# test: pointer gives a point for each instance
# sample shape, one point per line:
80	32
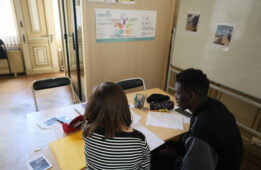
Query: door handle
24	40
48	36
21	24
51	35
45	36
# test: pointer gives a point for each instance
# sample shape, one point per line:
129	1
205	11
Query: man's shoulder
216	120
215	110
216	104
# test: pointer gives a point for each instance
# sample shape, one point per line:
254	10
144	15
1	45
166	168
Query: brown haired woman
110	143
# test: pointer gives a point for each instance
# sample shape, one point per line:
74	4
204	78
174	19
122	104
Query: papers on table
166	120
131	106
80	109
39	162
47	123
185	119
135	117
153	140
42	138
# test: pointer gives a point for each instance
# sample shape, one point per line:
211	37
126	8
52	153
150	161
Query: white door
38	36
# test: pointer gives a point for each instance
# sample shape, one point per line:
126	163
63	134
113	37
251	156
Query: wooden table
163	133
34	118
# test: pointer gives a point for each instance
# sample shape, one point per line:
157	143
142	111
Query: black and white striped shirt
127	150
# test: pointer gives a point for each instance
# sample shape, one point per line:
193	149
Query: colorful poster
111	1
125	25
223	36
115	1
127	1
96	0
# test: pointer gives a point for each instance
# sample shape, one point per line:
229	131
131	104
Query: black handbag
3	53
157	98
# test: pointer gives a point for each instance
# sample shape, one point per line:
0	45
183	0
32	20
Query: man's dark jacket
214	140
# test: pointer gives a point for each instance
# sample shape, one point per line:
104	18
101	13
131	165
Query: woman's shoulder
134	134
138	134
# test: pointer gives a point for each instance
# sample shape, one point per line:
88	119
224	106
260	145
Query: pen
160	110
59	121
77	124
77	111
163	110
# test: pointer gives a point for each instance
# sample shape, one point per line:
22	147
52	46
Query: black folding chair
131	83
3	54
50	83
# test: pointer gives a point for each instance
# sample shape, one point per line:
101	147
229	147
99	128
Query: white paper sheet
166	120
184	118
42	138
131	106
153	140
135	117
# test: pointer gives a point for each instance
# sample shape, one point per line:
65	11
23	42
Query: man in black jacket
213	141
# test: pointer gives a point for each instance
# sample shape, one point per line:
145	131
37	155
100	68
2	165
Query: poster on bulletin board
115	1
114	25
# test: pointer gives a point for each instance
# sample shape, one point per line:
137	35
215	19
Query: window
8	32
57	20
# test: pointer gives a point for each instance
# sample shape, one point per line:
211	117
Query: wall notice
115	1
192	21
223	36
127	1
125	25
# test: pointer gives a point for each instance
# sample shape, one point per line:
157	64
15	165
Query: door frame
75	43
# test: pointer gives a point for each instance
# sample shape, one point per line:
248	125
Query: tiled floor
15	102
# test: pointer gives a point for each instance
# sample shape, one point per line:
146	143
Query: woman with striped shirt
110	143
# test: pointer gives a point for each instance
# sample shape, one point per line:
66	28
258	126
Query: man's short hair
193	80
